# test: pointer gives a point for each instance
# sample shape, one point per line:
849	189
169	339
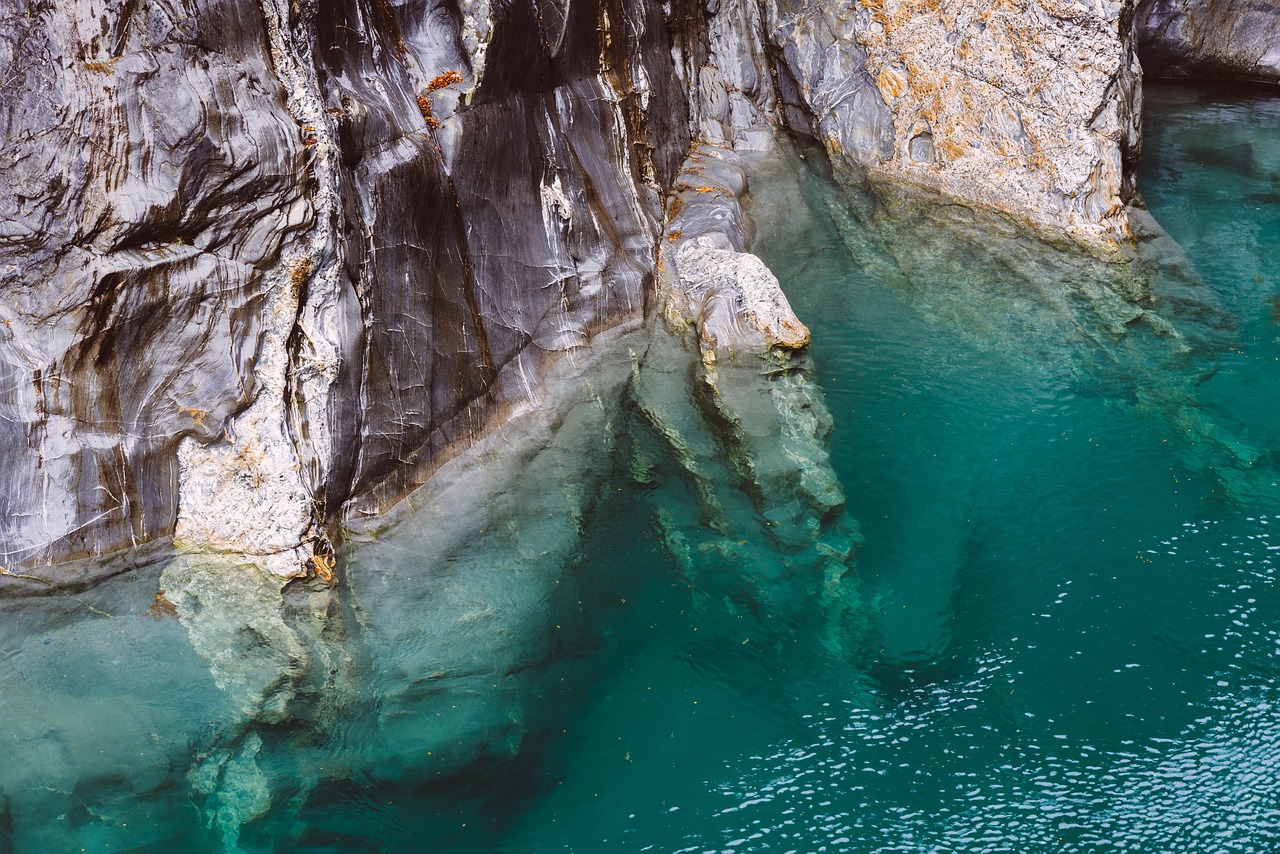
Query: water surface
1076	618
1061	630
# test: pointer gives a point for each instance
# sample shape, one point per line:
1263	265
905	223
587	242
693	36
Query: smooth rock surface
151	178
706	278
1210	39
269	265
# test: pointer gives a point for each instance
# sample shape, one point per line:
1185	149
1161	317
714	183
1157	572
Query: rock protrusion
1031	108
706	278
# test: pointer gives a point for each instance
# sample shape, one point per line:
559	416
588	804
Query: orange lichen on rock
197	416
424	106
161	607
102	66
321	564
442	80
298	275
892	82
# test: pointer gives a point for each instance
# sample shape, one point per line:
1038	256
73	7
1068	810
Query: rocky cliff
1032	108
1210	39
267	265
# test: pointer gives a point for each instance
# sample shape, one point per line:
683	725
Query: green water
1067	617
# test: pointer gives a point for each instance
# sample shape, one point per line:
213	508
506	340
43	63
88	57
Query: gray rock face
269	265
133	274
1216	39
265	265
477	249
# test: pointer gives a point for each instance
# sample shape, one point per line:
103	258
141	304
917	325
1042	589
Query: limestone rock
747	424
267	265
151	178
1031	107
706	278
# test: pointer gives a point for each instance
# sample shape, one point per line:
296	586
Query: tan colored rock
1029	107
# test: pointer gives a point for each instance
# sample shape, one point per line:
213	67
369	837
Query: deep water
1060	630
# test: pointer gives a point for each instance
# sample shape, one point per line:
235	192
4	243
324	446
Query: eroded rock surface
1031	107
706	277
745	425
152	176
268	265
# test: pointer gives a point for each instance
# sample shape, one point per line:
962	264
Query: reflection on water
993	568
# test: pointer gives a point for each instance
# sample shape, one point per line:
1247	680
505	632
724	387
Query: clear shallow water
1076	624
1069	619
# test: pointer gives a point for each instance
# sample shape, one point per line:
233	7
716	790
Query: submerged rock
745	424
766	535
1139	321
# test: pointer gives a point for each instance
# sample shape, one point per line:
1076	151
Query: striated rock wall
1214	39
266	265
152	176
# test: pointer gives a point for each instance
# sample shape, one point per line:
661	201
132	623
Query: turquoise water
1060	630
1076	624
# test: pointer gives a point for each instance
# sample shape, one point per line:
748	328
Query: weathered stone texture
151	175
267	264
488	231
1031	107
707	280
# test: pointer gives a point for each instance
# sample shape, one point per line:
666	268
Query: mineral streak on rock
249	288
1214	39
151	176
267	265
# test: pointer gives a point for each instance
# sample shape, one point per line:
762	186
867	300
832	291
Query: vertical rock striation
152	176
267	265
